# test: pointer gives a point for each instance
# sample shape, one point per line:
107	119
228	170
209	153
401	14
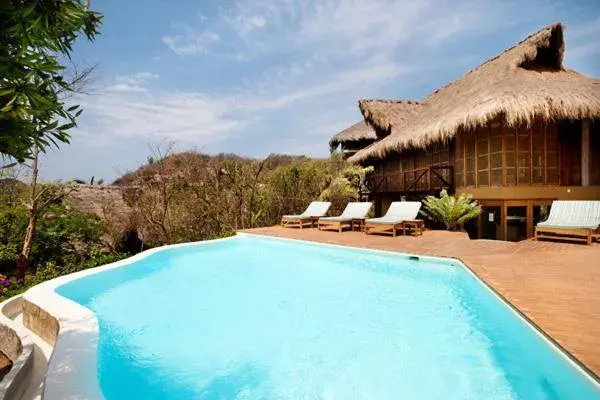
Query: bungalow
352	139
517	132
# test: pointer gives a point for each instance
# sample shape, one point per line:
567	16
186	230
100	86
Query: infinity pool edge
72	369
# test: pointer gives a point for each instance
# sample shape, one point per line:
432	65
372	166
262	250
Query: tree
40	197
346	185
36	37
449	210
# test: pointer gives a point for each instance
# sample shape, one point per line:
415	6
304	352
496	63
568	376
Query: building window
509	140
538	163
496	163
459	164
523	159
469	151
498	155
551	144
483	153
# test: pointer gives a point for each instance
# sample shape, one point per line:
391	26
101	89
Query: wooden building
517	132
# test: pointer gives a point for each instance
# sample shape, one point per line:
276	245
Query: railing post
429	178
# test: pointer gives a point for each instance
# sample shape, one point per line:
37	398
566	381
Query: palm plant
449	210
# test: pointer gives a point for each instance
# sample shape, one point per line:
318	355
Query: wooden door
570	153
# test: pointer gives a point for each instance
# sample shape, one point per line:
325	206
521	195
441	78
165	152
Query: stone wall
40	322
98	199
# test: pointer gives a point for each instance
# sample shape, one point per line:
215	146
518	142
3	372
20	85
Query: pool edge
77	335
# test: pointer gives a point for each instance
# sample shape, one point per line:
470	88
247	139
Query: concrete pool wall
18	346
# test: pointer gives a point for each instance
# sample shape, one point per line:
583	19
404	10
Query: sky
255	77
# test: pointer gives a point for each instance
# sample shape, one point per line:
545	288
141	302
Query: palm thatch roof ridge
359	131
382	114
526	82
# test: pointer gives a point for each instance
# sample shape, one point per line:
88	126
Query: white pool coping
72	369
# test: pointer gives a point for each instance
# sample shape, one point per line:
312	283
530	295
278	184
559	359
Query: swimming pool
262	318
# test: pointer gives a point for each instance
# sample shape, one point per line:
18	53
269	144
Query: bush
449	210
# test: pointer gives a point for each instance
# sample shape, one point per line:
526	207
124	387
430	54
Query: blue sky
255	77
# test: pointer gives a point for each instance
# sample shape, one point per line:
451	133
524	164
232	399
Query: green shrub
449	210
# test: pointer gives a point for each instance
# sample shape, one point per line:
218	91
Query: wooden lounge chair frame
353	211
386	229
416	225
337	225
298	222
309	216
568	234
397	214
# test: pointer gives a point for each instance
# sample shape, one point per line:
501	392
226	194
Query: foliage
449	210
190	196
10	286
63	236
345	187
289	188
66	241
339	192
36	37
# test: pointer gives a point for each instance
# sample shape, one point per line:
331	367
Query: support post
585	152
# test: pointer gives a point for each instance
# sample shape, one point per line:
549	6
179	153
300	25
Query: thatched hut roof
382	114
526	82
357	132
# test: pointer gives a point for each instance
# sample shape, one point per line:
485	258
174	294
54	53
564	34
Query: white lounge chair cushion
314	209
573	214
352	210
398	212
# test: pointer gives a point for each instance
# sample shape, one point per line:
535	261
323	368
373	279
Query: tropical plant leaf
449	210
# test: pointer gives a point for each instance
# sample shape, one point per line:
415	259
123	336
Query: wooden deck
556	285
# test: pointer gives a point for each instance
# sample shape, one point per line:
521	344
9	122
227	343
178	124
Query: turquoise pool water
259	318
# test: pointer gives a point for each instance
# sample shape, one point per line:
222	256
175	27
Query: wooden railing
422	180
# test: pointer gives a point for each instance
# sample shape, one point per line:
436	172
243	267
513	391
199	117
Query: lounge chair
575	220
312	213
394	218
353	211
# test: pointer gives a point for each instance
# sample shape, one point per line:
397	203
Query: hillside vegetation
190	196
174	198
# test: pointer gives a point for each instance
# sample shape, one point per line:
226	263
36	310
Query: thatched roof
359	131
382	114
526	82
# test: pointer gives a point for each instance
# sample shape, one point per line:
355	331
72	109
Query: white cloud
131	83
188	117
190	41
246	24
353	27
350	79
584	40
584	50
316	58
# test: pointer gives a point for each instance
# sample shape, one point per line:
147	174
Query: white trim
78	336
